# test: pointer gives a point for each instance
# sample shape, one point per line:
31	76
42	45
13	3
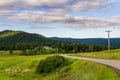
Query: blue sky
62	18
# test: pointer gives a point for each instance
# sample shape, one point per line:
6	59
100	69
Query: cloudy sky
62	18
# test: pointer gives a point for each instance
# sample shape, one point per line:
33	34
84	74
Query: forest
29	43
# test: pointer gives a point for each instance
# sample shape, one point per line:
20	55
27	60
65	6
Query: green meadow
17	67
114	54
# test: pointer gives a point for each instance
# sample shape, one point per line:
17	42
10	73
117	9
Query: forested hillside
12	38
19	40
115	42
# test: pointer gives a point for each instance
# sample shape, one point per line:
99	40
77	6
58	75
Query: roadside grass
23	68
114	54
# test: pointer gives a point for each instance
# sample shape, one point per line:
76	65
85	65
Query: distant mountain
9	37
19	40
93	41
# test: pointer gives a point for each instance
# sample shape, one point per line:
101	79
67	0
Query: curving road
115	64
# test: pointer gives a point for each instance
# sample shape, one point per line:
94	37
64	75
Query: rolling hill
17	40
13	37
9	38
94	41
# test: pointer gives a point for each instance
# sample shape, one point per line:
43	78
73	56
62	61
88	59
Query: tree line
34	43
57	47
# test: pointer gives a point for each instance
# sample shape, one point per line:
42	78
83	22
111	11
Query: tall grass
114	54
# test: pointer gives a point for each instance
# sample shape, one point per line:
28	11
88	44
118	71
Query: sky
62	18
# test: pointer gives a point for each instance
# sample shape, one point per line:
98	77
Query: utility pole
108	31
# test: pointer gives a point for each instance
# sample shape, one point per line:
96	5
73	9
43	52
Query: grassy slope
23	68
115	54
8	33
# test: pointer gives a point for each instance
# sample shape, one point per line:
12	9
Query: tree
22	47
11	48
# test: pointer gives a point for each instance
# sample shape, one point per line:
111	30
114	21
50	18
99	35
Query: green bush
51	64
31	52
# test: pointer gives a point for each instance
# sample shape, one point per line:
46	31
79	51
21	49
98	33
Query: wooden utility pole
108	31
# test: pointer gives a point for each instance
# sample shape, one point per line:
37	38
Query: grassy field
15	67
115	54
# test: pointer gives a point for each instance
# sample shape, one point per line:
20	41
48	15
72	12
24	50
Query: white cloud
40	17
4	12
79	22
117	18
57	12
88	5
57	5
6	3
45	2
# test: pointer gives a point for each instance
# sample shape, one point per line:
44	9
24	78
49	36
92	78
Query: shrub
51	64
31	52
